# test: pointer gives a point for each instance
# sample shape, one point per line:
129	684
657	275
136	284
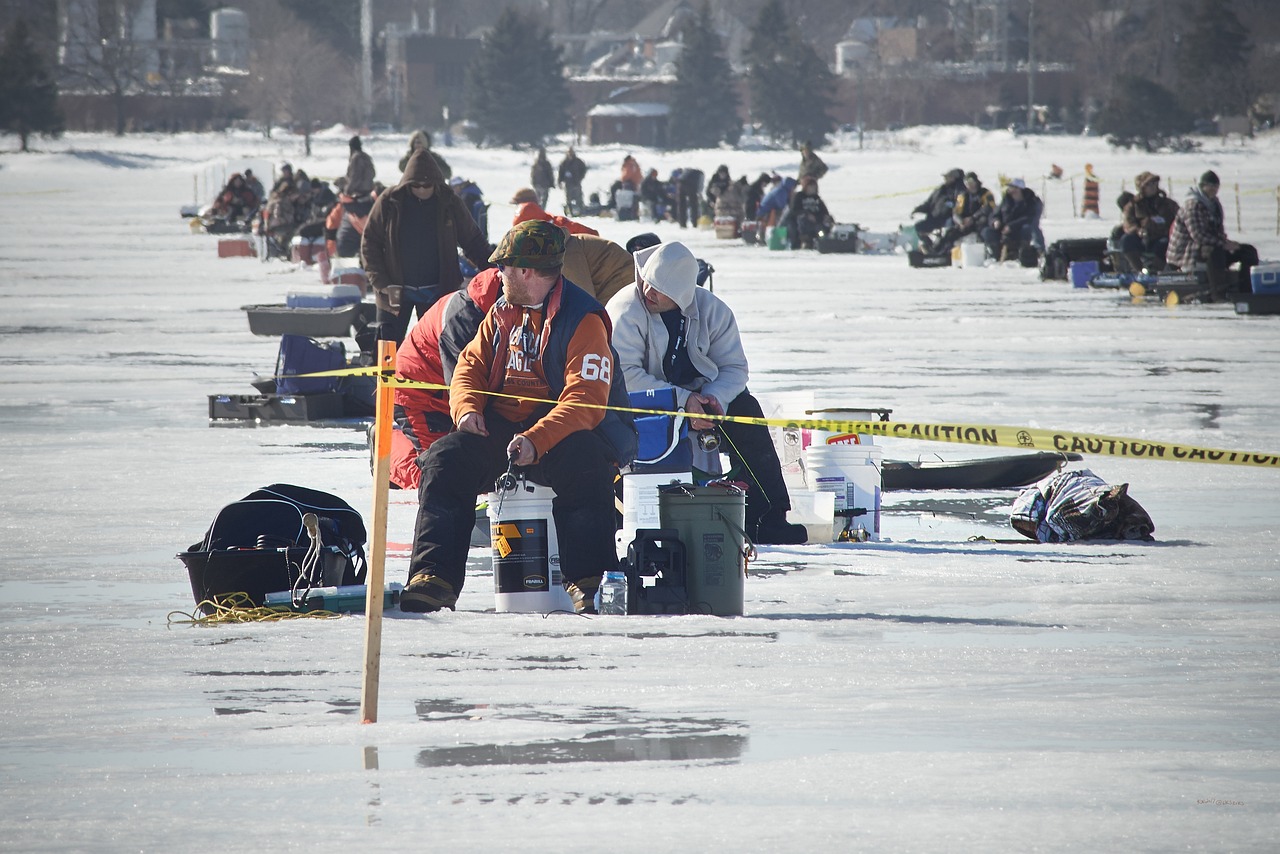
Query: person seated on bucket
545	346
1198	234
1148	217
669	333
1016	223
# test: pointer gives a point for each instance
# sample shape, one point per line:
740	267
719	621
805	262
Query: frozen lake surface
924	692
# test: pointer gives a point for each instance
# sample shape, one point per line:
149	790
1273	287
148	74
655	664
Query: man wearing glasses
410	245
544	346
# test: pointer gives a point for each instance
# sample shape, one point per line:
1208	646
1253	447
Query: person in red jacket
429	354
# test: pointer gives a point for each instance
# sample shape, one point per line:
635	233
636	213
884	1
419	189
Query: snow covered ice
924	692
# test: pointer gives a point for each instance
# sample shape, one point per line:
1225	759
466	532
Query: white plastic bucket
972	254
830	437
852	472
817	512
526	552
640	503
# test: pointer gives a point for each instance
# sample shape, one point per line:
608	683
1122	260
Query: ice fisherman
545	345
671	334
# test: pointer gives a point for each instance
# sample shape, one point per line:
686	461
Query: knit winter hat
524	194
535	244
1210	177
1143	179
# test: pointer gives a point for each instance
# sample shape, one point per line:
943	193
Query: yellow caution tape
987	435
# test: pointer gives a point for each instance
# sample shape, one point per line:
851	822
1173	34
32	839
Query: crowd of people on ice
1155	232
555	316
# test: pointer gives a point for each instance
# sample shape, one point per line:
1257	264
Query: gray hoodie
715	347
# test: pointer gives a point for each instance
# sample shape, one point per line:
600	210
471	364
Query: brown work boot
427	593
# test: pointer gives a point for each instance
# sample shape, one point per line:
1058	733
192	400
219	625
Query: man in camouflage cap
544	345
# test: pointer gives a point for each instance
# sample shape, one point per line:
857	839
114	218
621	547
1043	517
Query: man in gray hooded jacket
669	333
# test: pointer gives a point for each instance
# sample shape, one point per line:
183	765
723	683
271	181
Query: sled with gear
1061	254
839	238
281	537
1257	304
1171	287
291	397
328	312
1003	472
920	259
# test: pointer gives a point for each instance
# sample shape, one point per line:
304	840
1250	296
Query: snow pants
461	466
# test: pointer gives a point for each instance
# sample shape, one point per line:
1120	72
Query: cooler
1265	279
333	296
1080	272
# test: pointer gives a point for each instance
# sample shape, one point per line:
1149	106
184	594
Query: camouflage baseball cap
535	243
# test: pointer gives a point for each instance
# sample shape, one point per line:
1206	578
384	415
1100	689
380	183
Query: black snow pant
1218	262
755	460
688	207
461	466
392	327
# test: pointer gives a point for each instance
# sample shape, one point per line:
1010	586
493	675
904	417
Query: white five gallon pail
526	552
640	503
852	472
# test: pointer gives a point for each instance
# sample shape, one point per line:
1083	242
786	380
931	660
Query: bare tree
294	77
101	53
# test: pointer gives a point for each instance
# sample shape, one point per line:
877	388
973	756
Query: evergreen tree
1213	61
28	95
1143	114
704	104
515	89
791	86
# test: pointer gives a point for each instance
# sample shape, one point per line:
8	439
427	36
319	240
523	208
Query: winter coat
754	194
941	201
717	184
597	265
360	175
811	207
811	165
714	344
380	247
979	205
541	175
1015	213
777	199
574	359
1197	230
1150	218
732	201
631	173
572	169
430	350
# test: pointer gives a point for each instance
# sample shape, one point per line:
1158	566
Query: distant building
426	76
643	123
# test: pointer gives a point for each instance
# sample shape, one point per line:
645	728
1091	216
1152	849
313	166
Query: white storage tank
229	30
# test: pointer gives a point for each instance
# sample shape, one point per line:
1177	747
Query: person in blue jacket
773	207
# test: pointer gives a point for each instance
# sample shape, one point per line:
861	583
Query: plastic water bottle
613	593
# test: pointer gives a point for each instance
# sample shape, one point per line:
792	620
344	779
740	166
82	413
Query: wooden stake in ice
377	536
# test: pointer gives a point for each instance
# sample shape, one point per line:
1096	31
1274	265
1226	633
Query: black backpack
259	544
